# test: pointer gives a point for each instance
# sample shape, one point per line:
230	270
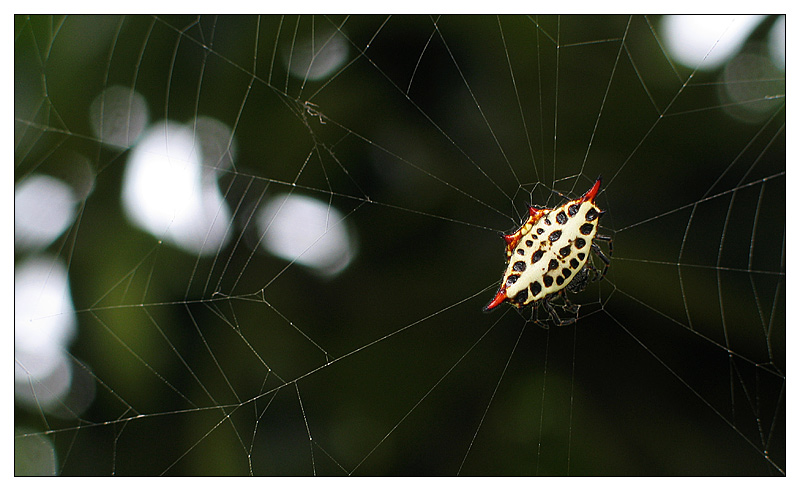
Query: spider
547	257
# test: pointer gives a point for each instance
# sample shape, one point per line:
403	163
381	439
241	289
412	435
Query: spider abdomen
548	251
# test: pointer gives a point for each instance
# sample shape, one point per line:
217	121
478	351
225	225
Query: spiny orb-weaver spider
548	254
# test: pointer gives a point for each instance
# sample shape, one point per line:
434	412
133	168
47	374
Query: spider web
425	140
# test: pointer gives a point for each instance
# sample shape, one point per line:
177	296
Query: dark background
642	384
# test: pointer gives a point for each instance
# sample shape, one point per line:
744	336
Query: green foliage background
641	385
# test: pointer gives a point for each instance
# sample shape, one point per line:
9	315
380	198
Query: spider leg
551	311
554	316
606	238
568	305
596	249
600	253
536	320
595	274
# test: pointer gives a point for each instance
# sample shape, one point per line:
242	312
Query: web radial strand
260	245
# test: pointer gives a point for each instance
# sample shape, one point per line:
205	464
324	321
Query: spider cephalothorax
548	254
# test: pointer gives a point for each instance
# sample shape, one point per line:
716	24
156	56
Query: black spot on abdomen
572	210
